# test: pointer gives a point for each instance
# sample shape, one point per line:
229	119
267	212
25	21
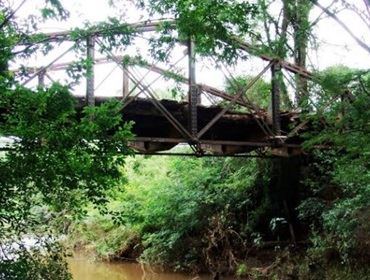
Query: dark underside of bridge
234	133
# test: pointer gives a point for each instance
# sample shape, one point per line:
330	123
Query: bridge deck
233	133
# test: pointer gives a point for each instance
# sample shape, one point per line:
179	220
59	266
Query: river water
84	269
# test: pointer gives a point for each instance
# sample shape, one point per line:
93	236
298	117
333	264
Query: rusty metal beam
150	69
211	142
211	90
275	97
284	64
160	140
231	103
41	78
116	59
193	94
138	27
50	78
125	82
160	107
201	87
90	76
46	67
204	155
150	26
219	93
141	27
65	65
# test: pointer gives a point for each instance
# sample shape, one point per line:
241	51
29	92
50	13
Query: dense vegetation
173	208
236	215
54	160
65	170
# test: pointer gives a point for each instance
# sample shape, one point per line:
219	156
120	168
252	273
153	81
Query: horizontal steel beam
212	142
209	89
205	155
151	26
138	27
65	65
284	64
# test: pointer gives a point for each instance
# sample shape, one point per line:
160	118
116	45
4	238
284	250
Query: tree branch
9	17
333	16
367	6
314	22
362	15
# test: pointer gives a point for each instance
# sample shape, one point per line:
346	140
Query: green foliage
54	9
192	214
242	270
182	213
113	34
176	205
57	160
55	150
342	122
44	261
56	157
209	23
101	235
259	94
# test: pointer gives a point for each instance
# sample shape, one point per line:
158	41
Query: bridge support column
193	94
90	79
125	83
41	78
275	97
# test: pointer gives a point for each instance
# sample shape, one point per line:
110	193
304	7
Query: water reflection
83	269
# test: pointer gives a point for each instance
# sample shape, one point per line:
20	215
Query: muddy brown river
84	269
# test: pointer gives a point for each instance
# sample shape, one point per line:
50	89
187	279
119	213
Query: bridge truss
162	124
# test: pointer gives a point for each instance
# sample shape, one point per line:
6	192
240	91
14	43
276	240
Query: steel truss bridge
160	125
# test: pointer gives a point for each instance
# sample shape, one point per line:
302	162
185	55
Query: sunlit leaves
209	23
63	154
169	203
54	9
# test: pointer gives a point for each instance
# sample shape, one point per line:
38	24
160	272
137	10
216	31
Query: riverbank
83	267
234	216
262	264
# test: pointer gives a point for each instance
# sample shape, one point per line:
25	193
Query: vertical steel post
125	84
41	78
275	97
193	94
90	79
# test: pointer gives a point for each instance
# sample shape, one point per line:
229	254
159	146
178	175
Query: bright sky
335	46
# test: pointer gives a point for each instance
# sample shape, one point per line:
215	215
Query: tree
55	156
342	123
209	23
286	35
